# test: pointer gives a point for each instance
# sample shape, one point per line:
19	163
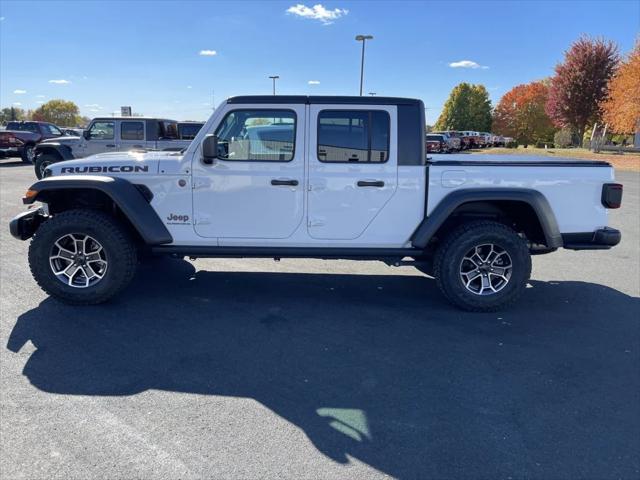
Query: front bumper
601	239
25	224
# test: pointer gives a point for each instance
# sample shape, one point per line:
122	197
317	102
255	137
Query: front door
255	189
353	168
101	138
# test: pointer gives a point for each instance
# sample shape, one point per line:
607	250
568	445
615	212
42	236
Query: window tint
167	130
131	131
188	131
23	126
102	131
52	130
260	135
353	136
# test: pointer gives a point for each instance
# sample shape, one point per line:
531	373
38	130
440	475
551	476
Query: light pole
363	39
274	78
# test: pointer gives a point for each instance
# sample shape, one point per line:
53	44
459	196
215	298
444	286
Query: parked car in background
189	130
111	134
453	141
437	143
20	138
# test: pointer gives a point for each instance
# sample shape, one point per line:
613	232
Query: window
52	130
167	130
258	135
360	136
131	131
102	131
188	131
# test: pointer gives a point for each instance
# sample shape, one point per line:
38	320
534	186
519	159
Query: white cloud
2	19
317	12
60	82
40	96
314	82
19	92
467	64
189	86
17	104
208	53
40	102
92	105
206	103
94	110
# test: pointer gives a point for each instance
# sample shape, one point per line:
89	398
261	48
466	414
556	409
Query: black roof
305	99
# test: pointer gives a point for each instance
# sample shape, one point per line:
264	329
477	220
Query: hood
115	164
64	140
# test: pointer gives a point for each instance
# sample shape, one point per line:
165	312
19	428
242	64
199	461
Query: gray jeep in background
111	134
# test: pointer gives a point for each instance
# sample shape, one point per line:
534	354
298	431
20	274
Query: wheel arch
529	209
105	193
61	151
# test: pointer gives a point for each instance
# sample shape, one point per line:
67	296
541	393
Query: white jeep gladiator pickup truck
319	177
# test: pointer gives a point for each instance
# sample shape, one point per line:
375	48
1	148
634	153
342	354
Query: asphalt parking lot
311	369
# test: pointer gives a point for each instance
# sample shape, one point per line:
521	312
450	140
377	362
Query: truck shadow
377	368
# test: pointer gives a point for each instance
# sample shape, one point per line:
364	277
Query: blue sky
147	54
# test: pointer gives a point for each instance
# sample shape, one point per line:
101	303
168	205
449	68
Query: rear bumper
601	239
24	225
11	151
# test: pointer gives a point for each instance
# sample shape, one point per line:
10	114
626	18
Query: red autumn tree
622	109
521	114
580	83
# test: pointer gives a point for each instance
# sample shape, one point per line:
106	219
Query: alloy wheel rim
31	154
43	167
78	260
486	269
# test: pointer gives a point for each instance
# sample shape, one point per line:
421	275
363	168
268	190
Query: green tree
12	113
467	108
61	112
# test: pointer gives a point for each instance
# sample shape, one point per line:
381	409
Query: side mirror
86	134
209	149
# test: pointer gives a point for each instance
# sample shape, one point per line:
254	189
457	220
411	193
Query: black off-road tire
449	256
119	248
27	154
42	161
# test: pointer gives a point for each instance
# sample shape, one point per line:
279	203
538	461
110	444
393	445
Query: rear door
353	168
131	135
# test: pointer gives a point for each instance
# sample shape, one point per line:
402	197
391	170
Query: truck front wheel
82	257
482	266
42	162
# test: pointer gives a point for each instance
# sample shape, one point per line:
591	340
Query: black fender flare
538	202
124	194
63	151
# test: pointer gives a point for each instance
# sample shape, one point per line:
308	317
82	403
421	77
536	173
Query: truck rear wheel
482	266
42	162
82	257
28	154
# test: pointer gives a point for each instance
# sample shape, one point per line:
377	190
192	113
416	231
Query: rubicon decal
107	169
174	219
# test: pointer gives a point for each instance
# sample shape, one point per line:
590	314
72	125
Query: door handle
110	145
277	181
370	183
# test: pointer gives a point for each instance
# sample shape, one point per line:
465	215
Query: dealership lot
314	369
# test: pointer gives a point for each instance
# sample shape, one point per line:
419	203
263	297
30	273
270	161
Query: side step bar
285	252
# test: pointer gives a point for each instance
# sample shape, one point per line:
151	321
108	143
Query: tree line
63	113
591	85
